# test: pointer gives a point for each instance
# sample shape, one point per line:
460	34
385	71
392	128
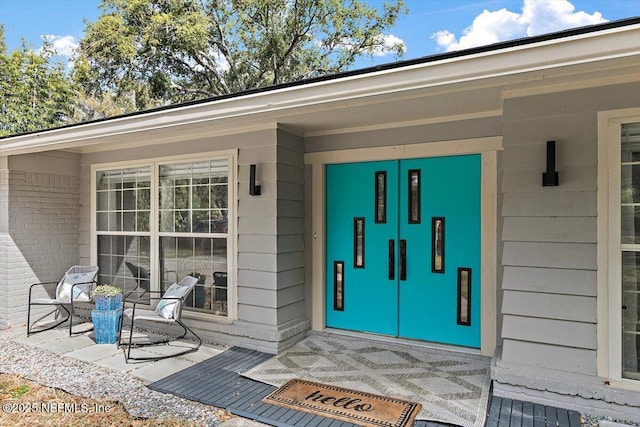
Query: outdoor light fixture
254	190
550	177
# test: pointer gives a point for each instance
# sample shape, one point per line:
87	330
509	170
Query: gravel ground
86	380
594	421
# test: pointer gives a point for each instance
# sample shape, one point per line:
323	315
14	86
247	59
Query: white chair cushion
81	292
166	308
142	314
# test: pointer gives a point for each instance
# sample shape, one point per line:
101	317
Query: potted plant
107	297
106	316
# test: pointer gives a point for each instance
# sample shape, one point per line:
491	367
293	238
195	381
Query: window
630	247
180	228
618	274
193	225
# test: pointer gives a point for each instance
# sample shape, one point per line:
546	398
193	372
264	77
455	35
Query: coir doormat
365	409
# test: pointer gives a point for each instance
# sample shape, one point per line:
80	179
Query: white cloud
537	17
389	45
61	45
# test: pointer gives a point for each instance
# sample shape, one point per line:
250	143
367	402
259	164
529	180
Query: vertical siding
548	234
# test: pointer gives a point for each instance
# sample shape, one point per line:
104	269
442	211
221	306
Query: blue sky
432	26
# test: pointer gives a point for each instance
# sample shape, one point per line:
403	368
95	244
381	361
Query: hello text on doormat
365	409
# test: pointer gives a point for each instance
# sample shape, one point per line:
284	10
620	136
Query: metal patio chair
75	286
168	312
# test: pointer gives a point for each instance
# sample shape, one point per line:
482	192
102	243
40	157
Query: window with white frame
630	247
159	222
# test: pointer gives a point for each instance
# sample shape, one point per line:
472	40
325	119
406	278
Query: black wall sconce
550	177
254	190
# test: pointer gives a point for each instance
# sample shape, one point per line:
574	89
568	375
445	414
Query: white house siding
270	260
548	240
39	211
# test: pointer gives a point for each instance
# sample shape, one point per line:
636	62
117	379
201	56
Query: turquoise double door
403	248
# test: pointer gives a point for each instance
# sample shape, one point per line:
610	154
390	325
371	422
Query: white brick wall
4	239
42	238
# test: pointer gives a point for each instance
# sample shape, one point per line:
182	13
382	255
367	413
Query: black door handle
403	260
392	259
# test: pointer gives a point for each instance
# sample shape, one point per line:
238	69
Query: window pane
117	199
143	199
102	200
203	258
381	197
123	263
181	198
630	183
115	221
115	179
142	221
166	221
630	314
200	197
219	196
200	221
182	222
464	294
630	224
102	221
167	198
414	196
630	139
193	197
102	181
128	221
167	175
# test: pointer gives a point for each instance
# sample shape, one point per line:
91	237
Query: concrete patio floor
83	347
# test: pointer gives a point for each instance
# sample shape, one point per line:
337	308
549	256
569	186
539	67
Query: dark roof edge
384	67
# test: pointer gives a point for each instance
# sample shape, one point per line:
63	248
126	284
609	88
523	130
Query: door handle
403	260
392	259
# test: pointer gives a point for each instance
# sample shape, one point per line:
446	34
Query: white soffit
391	95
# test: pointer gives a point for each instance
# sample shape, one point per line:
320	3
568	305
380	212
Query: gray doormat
452	387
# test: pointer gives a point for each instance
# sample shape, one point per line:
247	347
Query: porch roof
455	86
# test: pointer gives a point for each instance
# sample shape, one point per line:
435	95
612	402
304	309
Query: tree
153	52
35	92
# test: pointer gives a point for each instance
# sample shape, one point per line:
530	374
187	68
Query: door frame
487	147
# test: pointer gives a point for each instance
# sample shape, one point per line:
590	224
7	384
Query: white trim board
487	147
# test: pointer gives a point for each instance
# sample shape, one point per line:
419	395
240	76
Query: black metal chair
167	312
75	286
